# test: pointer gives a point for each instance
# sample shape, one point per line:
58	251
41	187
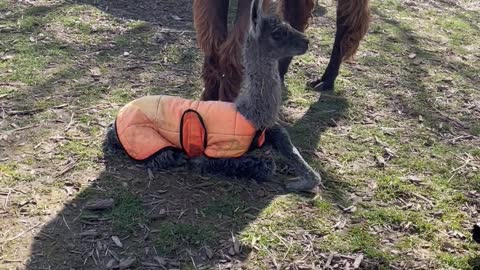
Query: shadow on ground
128	216
167	218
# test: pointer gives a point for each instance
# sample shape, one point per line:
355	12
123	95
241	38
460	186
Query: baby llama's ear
256	13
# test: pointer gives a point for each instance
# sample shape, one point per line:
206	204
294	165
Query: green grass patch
82	150
10	174
172	236
127	212
226	206
417	222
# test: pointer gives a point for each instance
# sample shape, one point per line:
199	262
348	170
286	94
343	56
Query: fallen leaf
412	55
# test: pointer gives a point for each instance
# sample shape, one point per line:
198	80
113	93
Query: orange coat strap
216	129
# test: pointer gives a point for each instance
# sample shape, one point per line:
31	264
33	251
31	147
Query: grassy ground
397	144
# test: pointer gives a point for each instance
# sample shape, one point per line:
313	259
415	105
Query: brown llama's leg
210	22
353	19
230	53
297	13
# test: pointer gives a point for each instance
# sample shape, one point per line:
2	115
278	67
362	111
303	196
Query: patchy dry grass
397	144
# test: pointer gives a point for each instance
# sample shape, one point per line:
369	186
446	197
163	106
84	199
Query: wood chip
150	174
358	261
26	112
117	241
329	260
378	141
341	223
126	263
236	244
67	168
99	204
161	261
111	264
390	153
414	179
209	252
87	233
350	209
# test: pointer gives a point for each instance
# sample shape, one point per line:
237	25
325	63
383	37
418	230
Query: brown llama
222	69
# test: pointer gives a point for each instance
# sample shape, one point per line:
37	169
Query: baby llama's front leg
167	159
280	140
245	167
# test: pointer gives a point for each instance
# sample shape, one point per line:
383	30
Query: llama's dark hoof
321	86
476	233
307	184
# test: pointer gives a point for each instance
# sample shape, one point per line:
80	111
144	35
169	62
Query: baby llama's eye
277	35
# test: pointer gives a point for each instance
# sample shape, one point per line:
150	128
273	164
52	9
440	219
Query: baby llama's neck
260	95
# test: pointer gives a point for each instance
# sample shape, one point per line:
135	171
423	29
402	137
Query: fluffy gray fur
268	40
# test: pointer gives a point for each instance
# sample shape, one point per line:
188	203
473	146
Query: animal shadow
132	217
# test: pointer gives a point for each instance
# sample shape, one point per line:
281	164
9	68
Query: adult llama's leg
296	13
353	19
230	54
231	68
210	22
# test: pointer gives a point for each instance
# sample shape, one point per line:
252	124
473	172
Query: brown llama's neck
260	95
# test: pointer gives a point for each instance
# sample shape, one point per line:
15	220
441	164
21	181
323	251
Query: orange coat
216	129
